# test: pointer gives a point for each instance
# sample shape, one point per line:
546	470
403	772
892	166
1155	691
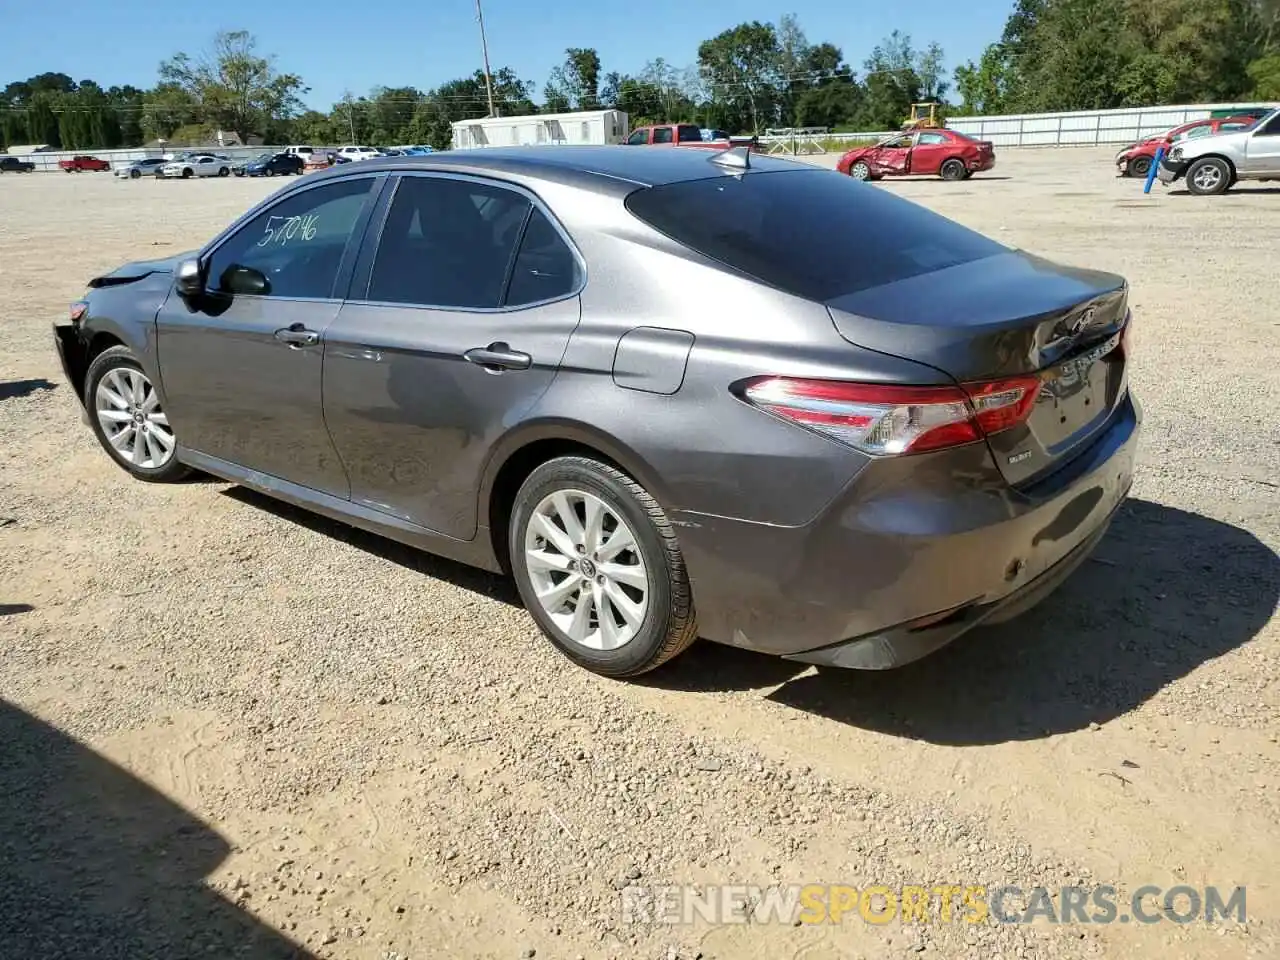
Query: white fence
1085	127
1082	128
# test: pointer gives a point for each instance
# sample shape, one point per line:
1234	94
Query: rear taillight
891	420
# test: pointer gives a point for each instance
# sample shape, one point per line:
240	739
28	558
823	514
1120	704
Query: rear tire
953	169
224	171
1209	176
577	589
126	416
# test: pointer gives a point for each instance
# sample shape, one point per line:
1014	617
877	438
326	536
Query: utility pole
484	47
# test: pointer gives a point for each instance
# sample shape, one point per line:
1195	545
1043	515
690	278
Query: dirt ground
230	729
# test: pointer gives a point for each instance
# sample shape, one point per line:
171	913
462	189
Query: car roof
589	167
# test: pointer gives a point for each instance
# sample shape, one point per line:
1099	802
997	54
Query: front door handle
498	356
296	335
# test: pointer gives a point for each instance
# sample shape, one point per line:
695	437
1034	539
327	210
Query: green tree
892	83
740	66
237	89
165	108
1265	75
988	86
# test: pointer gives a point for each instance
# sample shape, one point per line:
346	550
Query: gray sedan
673	393
140	168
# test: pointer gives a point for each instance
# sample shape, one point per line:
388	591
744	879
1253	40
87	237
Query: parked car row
1135	159
1214	164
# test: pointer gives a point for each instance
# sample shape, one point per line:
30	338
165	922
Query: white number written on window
283	229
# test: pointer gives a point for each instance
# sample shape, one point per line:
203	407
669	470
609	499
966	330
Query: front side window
447	243
296	245
639	138
898	143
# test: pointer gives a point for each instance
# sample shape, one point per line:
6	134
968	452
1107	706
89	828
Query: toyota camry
673	394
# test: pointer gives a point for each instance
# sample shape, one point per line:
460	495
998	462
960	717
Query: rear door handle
296	335
498	356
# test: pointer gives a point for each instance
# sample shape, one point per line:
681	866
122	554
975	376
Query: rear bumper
896	568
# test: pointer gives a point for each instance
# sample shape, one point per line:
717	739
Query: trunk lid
1002	316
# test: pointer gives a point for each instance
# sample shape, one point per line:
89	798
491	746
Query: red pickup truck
684	135
76	164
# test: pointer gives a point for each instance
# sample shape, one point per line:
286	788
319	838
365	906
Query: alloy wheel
586	569
1208	177
128	410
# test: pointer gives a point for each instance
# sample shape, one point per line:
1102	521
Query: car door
456	323
929	151
241	365
205	167
893	157
1262	149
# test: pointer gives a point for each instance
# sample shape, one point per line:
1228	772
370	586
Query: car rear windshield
812	233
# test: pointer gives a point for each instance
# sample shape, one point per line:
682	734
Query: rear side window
688	132
545	267
662	135
811	233
447	243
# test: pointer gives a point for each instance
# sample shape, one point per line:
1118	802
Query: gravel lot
228	728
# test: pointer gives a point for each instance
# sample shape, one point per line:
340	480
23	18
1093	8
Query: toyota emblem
1083	320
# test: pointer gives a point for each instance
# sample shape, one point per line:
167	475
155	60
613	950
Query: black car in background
14	165
270	164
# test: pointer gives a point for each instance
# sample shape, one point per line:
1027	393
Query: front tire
860	170
125	412
599	569
953	169
186	174
1209	176
1139	167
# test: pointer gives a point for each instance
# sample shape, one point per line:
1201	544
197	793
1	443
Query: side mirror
245	281
189	278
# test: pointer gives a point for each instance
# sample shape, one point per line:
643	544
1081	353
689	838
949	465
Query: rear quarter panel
704	450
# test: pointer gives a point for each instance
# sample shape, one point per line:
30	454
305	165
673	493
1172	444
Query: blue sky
338	45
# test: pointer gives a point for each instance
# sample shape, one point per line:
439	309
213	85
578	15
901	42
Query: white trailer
584	127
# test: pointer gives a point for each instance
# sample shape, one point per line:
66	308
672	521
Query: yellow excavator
923	116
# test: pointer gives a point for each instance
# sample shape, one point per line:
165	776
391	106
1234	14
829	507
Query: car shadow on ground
1165	591
10	609
10	389
459	574
96	863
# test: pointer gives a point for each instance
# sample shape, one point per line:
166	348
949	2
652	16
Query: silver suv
1214	164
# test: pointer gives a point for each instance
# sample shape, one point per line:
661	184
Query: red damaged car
1135	159
934	151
